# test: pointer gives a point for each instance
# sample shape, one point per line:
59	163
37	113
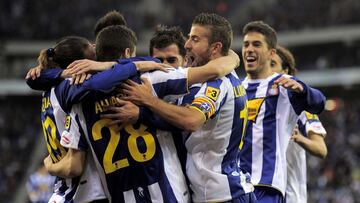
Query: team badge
212	93
274	90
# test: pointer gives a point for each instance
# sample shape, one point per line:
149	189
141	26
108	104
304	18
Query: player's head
259	47
167	44
67	50
109	19
210	37
115	42
283	61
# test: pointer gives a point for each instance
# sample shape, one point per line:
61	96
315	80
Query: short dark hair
220	28
109	19
112	42
65	51
288	60
165	36
264	29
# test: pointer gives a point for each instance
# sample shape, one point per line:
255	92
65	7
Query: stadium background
323	35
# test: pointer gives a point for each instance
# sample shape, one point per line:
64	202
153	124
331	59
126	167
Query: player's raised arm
214	69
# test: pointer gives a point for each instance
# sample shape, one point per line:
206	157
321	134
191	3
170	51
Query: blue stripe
246	151
230	165
302	128
171	87
214	83
269	137
251	90
166	190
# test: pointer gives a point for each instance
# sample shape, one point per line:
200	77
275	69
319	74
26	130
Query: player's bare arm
69	167
314	143
186	118
214	69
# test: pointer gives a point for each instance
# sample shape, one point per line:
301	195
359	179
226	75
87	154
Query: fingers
79	66
37	71
79	79
289	83
88	76
33	73
121	102
164	67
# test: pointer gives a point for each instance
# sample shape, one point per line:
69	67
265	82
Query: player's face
276	64
256	54
169	55
197	46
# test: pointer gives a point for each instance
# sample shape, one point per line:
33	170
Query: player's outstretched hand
79	67
139	94
34	73
289	83
122	114
145	66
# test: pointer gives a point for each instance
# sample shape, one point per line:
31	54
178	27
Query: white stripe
155	193
172	167
257	150
129	196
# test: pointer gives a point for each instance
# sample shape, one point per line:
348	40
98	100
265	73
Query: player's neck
264	73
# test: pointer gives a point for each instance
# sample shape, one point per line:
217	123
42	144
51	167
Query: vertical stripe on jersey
229	164
155	193
247	151
269	136
129	196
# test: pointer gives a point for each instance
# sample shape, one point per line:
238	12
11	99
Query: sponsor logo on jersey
212	93
254	108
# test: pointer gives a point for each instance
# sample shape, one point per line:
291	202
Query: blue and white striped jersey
296	190
136	164
273	113
213	150
53	118
54	121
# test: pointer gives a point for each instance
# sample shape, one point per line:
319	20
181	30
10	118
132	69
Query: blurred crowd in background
334	179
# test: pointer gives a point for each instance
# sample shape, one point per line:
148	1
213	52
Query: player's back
54	121
135	163
213	150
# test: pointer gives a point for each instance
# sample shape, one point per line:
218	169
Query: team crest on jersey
254	108
212	93
274	90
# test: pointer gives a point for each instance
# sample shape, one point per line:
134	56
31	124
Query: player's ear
216	47
127	53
